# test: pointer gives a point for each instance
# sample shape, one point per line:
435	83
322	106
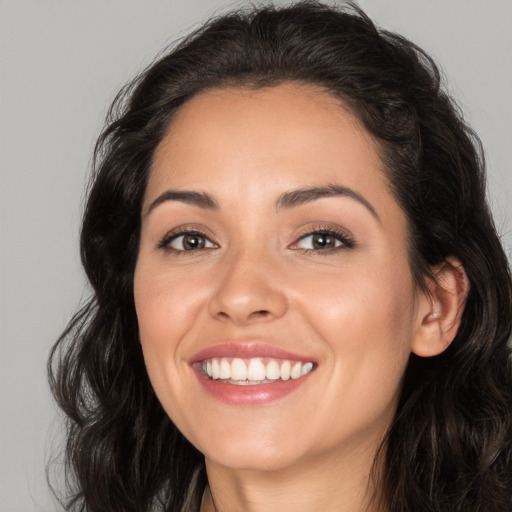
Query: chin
254	454
253	461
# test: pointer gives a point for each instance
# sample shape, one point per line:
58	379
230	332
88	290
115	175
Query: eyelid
347	240
183	230
342	235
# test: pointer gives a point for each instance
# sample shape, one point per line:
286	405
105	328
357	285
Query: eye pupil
191	242
323	240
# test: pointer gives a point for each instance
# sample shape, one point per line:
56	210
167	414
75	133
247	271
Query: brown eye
323	241
320	241
190	242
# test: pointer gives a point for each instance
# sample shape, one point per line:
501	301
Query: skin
354	310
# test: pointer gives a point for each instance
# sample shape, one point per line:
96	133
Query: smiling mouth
253	371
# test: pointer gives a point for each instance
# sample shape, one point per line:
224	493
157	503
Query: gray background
61	62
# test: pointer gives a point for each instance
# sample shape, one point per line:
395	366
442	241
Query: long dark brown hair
450	445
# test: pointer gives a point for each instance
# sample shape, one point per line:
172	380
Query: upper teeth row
254	369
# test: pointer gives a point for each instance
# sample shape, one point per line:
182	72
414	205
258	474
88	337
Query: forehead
266	139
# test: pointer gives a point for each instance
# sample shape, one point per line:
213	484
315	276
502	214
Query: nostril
261	312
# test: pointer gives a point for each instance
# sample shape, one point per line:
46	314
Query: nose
248	291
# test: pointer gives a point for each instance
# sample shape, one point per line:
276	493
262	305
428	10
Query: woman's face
274	258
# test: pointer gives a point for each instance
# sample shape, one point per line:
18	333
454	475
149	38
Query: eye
186	241
318	241
323	240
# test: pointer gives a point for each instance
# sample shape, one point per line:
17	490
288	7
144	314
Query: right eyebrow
200	199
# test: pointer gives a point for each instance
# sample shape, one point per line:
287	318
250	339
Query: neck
346	485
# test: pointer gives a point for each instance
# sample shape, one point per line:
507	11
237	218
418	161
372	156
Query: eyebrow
306	195
286	200
200	199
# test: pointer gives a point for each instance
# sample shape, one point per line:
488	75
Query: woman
300	300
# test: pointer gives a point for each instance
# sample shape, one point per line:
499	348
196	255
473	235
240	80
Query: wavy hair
449	447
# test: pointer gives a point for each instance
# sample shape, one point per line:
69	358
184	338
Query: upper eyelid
182	231
347	240
339	232
326	231
188	228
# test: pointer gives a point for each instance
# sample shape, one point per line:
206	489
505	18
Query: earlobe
440	312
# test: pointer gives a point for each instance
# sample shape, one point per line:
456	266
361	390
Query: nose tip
248	295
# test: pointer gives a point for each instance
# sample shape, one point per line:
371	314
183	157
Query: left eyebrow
306	195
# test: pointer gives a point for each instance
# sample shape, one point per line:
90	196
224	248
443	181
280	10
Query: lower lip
258	394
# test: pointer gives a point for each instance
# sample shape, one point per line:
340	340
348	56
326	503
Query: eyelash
346	241
166	241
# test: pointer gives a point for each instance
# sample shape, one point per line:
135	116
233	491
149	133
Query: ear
440	311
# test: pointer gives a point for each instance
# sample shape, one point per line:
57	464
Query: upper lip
247	351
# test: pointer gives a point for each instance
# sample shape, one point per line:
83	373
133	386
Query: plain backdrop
61	63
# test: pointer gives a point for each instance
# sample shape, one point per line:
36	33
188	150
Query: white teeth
306	368
254	371
272	371
238	370
286	369
296	371
225	369
215	369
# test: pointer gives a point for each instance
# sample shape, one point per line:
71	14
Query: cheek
367	321
377	297
369	335
164	310
165	303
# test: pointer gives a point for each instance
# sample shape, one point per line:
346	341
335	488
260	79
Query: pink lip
246	351
259	394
